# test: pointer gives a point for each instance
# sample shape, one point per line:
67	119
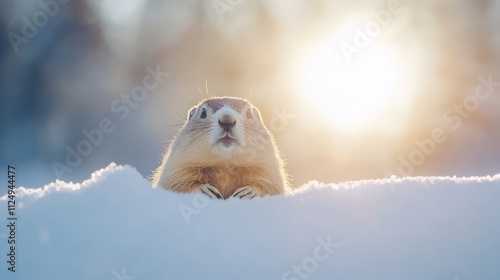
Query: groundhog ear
191	112
256	112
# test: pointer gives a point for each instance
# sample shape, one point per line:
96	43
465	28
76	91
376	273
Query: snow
115	226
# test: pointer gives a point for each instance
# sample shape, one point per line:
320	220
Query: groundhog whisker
167	128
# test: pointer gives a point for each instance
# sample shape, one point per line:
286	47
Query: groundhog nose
227	122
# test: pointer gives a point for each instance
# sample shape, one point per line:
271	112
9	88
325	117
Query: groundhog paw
246	192
210	191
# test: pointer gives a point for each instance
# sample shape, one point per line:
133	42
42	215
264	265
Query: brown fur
191	159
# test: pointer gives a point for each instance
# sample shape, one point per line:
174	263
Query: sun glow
353	94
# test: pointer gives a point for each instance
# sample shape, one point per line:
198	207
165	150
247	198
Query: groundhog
223	150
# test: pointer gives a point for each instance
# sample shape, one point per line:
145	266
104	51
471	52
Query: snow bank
115	226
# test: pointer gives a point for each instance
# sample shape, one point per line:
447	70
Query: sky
350	89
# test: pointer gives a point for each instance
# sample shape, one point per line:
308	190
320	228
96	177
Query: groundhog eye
203	113
249	113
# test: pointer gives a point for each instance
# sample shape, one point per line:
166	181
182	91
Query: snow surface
115	226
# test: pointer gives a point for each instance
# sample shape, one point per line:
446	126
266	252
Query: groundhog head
223	150
225	127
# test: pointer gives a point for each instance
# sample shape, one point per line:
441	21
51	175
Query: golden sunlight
352	93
